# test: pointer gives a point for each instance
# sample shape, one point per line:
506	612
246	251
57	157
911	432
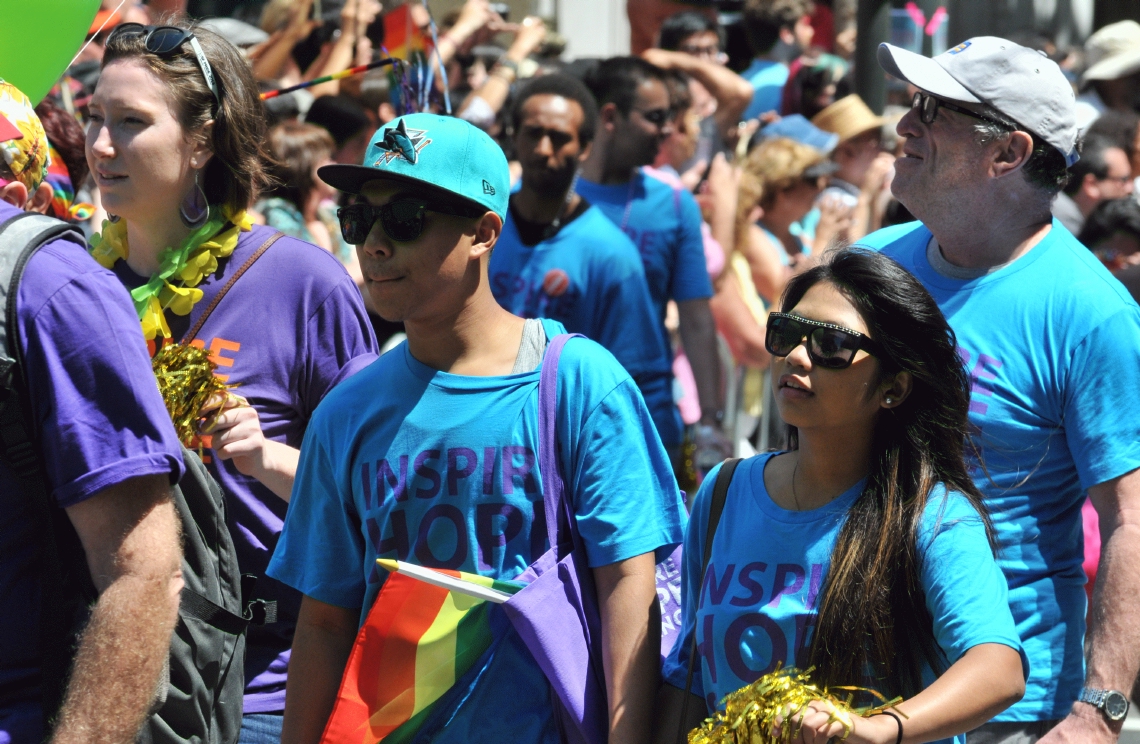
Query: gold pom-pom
751	714
186	380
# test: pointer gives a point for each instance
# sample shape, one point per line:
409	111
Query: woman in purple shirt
176	148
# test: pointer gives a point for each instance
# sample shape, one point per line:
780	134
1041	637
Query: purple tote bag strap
554	487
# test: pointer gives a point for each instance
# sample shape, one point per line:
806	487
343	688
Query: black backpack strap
66	585
716	508
258	612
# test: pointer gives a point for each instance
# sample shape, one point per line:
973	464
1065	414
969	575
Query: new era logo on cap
960	48
488	188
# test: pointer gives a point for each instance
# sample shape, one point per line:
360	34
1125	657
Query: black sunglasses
928	107
165	41
402	219
829	346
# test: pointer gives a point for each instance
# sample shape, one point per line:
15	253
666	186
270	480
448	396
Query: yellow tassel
186	380
751	713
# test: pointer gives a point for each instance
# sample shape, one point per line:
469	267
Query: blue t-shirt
99	421
404	461
1052	345
664	224
588	277
757	601
768	79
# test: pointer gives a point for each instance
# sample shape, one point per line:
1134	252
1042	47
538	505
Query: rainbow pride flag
425	630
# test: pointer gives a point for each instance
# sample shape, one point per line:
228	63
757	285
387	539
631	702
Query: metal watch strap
1093	696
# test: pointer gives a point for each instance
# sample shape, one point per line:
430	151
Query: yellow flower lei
189	264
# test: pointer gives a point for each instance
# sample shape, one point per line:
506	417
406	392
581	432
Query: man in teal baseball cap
431	454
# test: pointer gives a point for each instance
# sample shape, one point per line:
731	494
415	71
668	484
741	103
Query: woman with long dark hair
176	145
864	551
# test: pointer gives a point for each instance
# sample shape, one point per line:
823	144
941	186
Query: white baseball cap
1021	83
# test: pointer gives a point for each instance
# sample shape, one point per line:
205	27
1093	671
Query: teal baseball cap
441	152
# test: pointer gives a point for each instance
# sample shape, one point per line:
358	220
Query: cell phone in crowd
502	9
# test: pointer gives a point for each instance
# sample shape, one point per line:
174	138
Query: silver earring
113	218
890	400
195	210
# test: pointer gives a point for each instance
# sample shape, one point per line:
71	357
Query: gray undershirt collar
531	348
939	263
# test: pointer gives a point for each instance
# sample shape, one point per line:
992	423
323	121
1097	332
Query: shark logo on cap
401	142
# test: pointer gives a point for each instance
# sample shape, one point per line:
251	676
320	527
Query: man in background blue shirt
558	256
635	117
777	31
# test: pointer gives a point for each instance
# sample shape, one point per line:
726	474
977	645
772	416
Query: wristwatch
1113	704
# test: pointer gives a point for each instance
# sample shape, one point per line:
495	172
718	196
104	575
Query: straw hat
1113	52
848	117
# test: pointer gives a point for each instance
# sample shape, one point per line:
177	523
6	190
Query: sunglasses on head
165	41
402	219
829	346
928	106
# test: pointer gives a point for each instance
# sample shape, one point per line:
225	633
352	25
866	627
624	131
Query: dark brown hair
297	150
236	173
872	609
66	136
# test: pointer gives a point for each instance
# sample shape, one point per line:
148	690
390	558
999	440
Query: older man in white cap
1052	345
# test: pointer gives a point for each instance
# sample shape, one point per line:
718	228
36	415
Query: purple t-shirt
290	329
100	421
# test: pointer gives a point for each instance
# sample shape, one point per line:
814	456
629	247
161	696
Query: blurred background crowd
776	123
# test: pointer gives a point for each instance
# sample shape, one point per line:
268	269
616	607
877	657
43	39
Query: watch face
1115	705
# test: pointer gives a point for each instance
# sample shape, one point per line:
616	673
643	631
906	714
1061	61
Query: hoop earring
195	210
113	218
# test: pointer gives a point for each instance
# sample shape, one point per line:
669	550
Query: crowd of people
656	284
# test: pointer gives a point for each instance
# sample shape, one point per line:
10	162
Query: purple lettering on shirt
716	593
732	645
398	542
705	647
455	472
805	623
783	571
510	470
489	539
423	470
755	590
488	471
424	554
813	587
384	475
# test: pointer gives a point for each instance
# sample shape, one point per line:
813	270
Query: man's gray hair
1045	168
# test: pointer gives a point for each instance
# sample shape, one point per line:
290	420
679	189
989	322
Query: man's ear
608	117
15	193
788	35
487	231
1090	186
41	200
1012	154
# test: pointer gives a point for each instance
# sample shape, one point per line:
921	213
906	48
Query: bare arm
1113	642
698	337
984	682
355	17
769	274
734	320
321	645
131	535
271	59
498	84
631	629
732	92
